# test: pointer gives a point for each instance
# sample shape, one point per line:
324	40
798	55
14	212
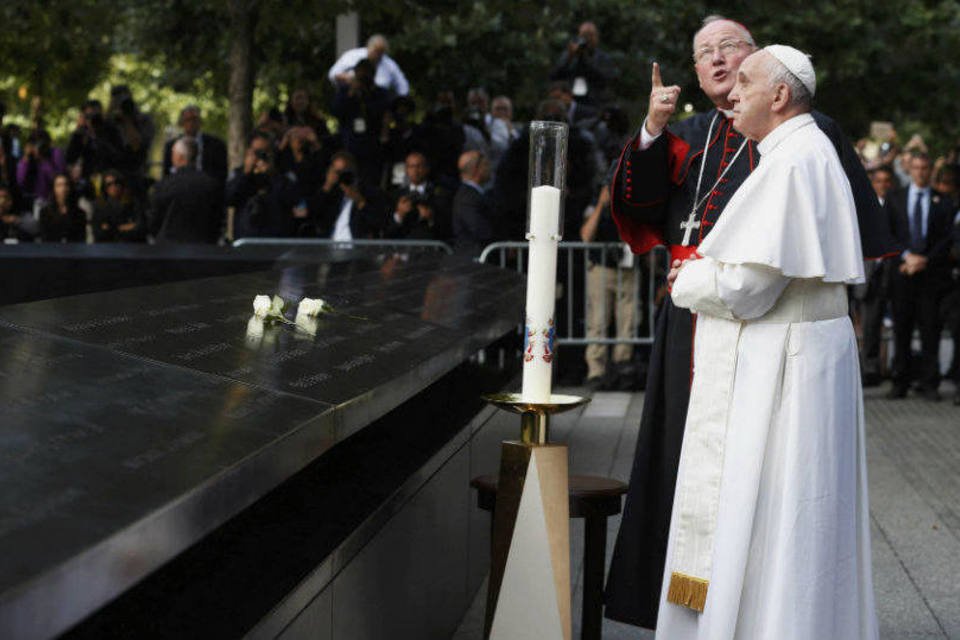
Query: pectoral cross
689	225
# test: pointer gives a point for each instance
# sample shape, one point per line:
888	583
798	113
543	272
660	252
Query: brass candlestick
534	416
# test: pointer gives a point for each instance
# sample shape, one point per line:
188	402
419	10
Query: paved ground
913	450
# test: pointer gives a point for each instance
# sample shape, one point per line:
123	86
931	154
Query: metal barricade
512	255
399	246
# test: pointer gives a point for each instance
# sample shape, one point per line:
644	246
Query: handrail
577	252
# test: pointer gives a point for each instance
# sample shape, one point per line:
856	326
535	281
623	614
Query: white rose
261	306
307	324
311	306
276	306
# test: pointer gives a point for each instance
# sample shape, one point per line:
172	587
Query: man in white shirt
388	74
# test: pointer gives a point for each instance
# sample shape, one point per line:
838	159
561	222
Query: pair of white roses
267	308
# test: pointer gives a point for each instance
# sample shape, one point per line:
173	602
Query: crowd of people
918	290
373	163
453	170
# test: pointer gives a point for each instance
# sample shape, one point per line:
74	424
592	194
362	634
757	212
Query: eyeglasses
726	48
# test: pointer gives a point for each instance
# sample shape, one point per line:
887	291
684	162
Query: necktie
916	225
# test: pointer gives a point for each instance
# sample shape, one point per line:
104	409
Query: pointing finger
657	82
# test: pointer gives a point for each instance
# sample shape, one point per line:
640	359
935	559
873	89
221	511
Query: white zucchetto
797	62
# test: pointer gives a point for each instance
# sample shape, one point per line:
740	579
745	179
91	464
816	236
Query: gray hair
378	40
779	74
186	147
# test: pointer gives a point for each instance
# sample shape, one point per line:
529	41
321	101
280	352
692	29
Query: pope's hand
663	103
675	268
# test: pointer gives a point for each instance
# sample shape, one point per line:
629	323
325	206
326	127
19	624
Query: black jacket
108	215
57	227
472	219
263	205
939	237
186	206
438	198
365	223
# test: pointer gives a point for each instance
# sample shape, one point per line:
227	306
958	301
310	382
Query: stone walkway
913	450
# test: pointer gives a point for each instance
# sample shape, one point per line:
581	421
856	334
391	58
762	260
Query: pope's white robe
789	554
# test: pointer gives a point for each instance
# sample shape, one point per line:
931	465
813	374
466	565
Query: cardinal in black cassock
670	190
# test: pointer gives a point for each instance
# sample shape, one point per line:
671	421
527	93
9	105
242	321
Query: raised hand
663	103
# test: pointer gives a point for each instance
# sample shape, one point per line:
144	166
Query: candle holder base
535	416
529	587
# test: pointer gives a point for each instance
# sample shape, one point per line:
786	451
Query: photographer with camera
360	107
421	208
302	155
344	208
266	201
36	170
136	134
95	145
589	70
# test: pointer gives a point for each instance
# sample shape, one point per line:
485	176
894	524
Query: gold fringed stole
688	591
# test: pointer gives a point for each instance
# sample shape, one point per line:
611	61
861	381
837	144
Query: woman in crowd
117	216
61	220
38	166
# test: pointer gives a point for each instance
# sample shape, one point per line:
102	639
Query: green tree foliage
890	60
54	49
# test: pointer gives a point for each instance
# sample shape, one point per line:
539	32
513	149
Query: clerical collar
782	131
727	112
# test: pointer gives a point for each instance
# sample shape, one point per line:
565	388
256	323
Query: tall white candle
540	331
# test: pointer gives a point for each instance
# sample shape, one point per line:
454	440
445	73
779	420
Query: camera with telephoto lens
417	198
347	178
260	154
580	41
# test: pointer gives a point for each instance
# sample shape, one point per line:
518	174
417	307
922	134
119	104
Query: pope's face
752	98
718	50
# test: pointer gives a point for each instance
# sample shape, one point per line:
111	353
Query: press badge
359	125
580	87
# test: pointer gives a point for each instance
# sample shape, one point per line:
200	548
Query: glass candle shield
548	173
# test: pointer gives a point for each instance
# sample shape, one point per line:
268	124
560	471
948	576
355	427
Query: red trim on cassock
640	236
677	150
681	252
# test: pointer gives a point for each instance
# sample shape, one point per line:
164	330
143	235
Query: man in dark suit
345	208
873	304
421	208
187	205
211	150
924	223
472	209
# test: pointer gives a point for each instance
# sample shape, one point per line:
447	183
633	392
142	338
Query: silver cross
689	225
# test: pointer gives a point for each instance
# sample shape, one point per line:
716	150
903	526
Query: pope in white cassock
769	537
